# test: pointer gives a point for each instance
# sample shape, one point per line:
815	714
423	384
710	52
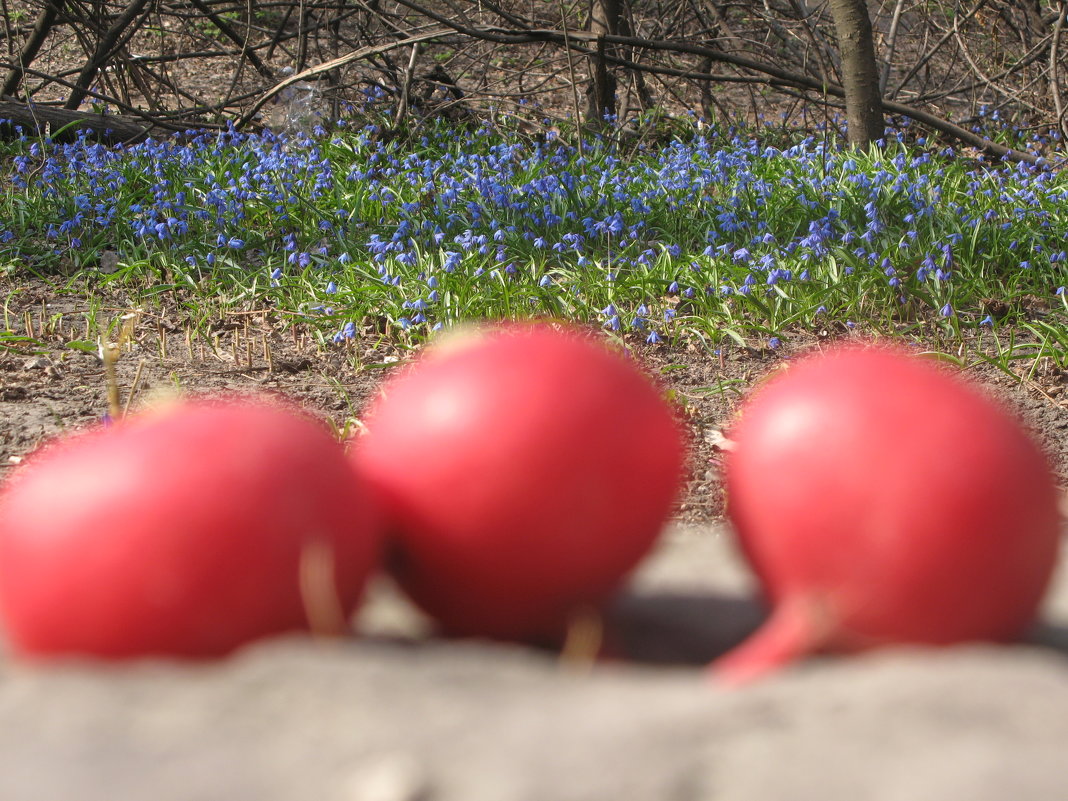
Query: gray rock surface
389	718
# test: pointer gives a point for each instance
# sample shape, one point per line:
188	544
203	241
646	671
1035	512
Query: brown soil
47	386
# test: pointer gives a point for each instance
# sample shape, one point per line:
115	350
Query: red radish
180	532
880	499
527	469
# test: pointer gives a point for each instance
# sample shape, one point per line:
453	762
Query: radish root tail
795	629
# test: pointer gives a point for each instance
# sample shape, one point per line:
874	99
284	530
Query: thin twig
891	44
406	88
574	81
1054	61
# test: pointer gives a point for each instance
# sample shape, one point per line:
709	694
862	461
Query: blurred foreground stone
389	718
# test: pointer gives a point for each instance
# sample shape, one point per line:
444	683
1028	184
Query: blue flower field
706	236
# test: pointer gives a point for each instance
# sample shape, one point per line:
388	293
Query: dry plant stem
268	356
134	387
110	355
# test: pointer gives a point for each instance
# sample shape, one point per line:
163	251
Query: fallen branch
64	125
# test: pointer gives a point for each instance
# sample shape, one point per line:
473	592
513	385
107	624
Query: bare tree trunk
860	76
604	20
41	28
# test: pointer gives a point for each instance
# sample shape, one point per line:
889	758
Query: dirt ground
57	381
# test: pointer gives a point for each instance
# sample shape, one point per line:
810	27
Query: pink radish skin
526	470
880	499
179	532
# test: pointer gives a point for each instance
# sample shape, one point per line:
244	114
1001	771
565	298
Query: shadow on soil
1049	635
693	629
677	628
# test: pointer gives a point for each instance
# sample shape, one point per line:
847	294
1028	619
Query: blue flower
331	288
774	343
946	311
348	332
987	321
654	338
